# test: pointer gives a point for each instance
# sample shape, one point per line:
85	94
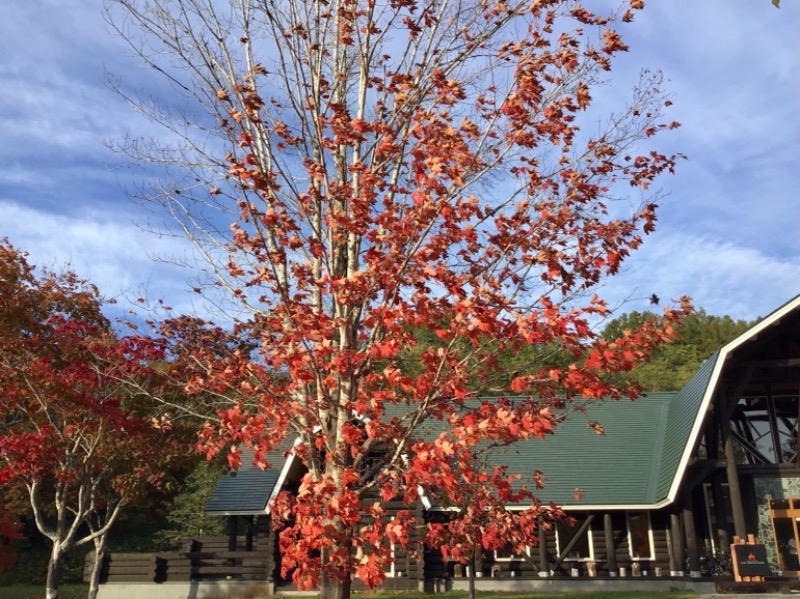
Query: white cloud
727	231
720	276
107	249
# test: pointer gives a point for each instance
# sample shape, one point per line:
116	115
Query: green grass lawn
25	591
78	591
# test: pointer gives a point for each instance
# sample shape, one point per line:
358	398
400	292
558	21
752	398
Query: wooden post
544	560
727	405
673	566
676	562
248	543
691	537
773	426
233	528
611	550
735	491
720	514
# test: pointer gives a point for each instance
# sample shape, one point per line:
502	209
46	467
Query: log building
674	478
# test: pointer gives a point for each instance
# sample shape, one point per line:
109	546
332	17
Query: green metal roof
248	490
618	468
638	463
632	464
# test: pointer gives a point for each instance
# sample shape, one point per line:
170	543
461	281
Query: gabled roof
248	491
702	390
638	464
631	466
625	480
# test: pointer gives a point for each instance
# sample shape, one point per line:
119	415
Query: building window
640	536
507	555
582	549
362	555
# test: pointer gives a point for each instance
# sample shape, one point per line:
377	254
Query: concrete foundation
211	589
585	585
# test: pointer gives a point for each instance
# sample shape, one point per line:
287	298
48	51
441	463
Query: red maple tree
74	439
384	168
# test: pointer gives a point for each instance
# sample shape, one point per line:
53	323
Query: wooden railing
202	565
123	567
182	566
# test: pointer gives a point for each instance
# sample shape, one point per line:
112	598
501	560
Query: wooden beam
751	448
611	550
729	402
708	464
796	432
785	363
698	472
573	541
544	559
676	558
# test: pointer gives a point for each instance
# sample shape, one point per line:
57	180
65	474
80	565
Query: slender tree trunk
54	571
97	567
331	588
472	562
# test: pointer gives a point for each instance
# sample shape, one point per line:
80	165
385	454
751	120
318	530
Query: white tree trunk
54	571
97	566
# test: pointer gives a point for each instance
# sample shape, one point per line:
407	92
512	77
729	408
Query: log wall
528	567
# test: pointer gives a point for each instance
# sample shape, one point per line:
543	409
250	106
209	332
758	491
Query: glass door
785	516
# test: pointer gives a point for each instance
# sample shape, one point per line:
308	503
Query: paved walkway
772	595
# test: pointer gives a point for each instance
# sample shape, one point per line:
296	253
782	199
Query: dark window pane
639	531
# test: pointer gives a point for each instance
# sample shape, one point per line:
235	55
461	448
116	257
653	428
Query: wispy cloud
721	276
105	247
727	228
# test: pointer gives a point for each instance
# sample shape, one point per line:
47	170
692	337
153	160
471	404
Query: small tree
483	523
186	516
355	171
80	446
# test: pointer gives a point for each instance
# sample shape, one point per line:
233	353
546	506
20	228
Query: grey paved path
751	596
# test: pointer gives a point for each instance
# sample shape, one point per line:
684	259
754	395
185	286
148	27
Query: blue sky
728	228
